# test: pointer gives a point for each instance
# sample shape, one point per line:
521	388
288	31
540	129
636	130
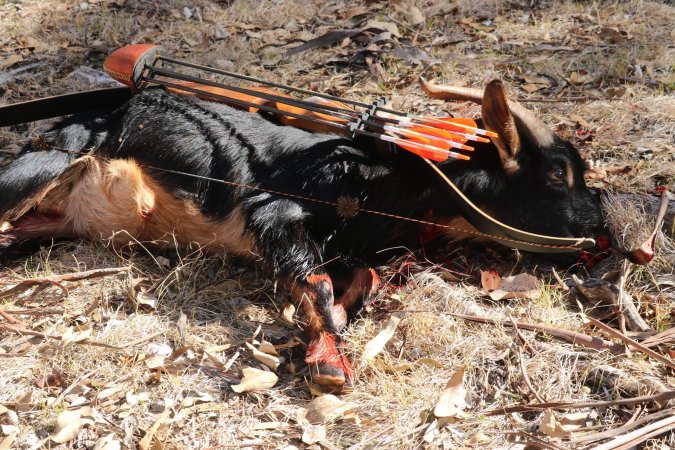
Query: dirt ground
145	350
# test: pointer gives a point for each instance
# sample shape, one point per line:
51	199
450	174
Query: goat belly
116	200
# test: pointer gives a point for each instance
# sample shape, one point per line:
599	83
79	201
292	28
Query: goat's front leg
329	366
281	230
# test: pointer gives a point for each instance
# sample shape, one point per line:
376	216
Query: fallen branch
631	343
523	371
633	438
25	331
660	397
35	311
572	337
663	338
9	318
55	279
625	428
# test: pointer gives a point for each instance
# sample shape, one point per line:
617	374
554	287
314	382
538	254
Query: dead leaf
54	379
580	120
220	33
312	434
7	442
452	401
431	432
134	398
535	79
407	8
384	26
414	55
146	299
108	442
32	44
109	392
144	444
8	430
71	336
155	362
255	380
326	408
375	346
551	427
490	280
6	63
581	77
531	87
478	439
270	361
288	312
354	11
202	397
23	402
452	38
522	285
68	425
267	347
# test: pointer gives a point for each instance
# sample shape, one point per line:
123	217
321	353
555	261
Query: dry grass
620	45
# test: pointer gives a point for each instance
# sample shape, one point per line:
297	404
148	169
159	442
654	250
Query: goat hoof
332	379
329	367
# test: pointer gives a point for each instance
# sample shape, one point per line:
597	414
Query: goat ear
498	118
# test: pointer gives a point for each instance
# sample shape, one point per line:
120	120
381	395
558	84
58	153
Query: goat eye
557	175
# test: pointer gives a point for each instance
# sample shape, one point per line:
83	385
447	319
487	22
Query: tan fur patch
460	229
116	200
569	175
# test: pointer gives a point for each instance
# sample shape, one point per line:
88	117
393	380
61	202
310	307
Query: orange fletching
422	152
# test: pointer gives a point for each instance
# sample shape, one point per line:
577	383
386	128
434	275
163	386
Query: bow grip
126	64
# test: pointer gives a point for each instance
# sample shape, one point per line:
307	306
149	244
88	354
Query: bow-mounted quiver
142	65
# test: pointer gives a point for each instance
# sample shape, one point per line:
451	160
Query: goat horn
536	130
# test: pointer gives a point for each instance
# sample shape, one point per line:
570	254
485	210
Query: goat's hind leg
24	183
24	235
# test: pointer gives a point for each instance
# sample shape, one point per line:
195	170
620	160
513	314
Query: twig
523	372
627	427
662	396
144	444
631	342
557	99
526	377
635	437
521	337
143	339
641	81
572	337
622	283
35	311
55	279
664	337
72	386
25	331
9	318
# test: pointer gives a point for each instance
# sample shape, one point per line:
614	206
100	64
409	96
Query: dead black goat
293	198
